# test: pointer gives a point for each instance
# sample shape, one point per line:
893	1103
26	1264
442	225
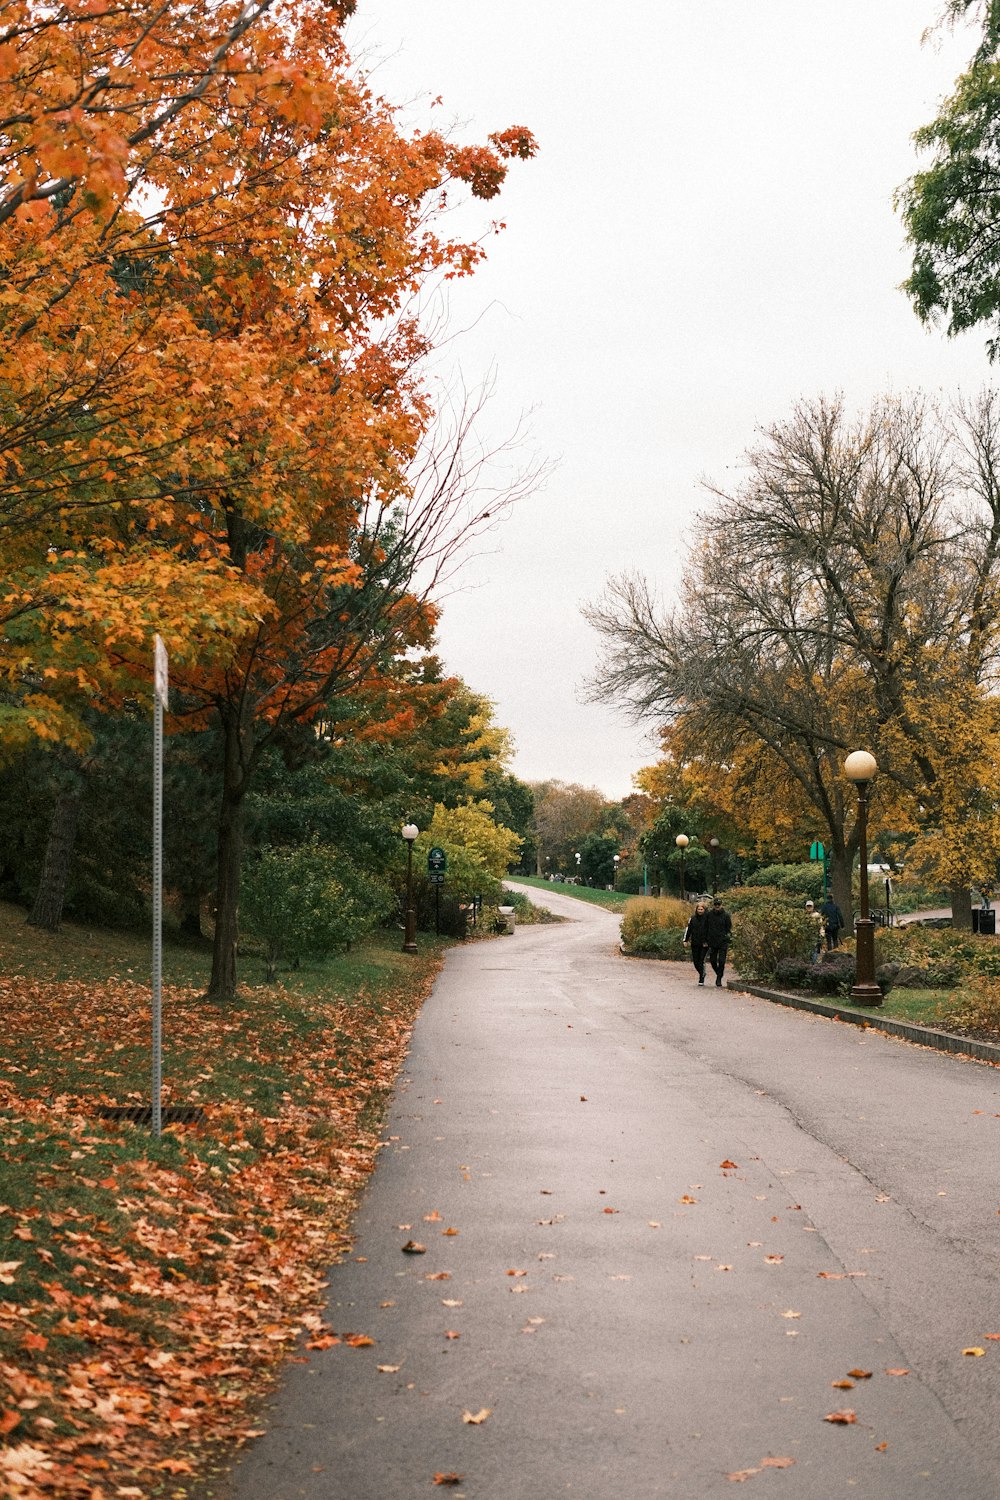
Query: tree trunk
840	889
48	908
190	911
222	985
961	908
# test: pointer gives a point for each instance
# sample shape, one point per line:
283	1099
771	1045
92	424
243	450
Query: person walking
819	930
833	917
718	931
694	933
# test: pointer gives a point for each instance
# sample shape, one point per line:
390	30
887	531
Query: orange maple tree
211	232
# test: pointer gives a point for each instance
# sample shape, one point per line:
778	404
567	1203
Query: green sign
437	861
816	850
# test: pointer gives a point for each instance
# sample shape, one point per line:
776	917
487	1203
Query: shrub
768	926
804	880
309	900
663	942
976	1011
792	972
834	974
645	916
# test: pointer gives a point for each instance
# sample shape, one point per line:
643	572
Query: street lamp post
682	842
618	860
860	767
716	849
886	873
410	832
576	856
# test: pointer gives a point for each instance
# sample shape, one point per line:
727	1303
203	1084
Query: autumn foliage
148	1292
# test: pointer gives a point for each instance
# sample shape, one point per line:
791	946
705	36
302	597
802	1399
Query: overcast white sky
706	235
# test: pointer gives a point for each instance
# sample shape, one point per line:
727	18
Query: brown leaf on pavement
432	1217
843	1417
478	1417
449	1231
897	1372
860	1374
447	1479
776	1463
727	1165
412	1248
976	1351
742	1474
842	1385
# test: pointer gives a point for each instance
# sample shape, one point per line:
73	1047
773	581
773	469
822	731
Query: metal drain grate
142	1114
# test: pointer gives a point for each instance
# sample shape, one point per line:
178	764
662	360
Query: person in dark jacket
834	919
718	930
694	934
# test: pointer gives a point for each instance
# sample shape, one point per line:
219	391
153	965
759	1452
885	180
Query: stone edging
943	1041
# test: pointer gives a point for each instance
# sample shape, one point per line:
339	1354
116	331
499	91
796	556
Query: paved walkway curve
682	1215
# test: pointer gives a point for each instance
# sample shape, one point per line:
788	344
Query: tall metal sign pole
160	691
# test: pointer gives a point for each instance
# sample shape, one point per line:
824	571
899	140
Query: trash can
987	923
507	912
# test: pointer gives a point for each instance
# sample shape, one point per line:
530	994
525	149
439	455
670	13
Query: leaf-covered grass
149	1288
610	899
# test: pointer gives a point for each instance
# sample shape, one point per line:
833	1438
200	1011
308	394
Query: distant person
819	930
695	934
833	917
718	931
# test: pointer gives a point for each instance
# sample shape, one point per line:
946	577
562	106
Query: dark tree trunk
222	985
48	908
190	911
961	908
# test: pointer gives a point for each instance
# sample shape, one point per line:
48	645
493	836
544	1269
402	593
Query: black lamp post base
866	994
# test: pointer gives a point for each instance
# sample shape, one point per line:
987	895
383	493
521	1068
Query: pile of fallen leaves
150	1289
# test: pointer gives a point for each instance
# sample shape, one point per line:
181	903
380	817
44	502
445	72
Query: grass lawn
610	899
150	1289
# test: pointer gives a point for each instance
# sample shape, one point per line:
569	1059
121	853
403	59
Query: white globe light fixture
410	831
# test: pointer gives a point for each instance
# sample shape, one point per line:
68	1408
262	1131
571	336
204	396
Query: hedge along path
150	1290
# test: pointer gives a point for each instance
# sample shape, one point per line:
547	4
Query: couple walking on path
708	933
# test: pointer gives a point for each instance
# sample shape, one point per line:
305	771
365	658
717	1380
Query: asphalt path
661	1223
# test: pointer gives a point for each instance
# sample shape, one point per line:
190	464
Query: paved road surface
682	1215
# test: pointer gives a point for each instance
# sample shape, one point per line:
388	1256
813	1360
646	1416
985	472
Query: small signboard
436	877
816	850
437	861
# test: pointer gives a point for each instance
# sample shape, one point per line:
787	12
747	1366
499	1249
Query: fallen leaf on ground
776	1463
687	1199
450	1333
450	1302
843	1417
727	1165
774	1260
358	1340
438	1276
842	1385
860	1374
897	1372
517	1273
480	1416
976	1351
388	1369
432	1217
447	1479
742	1474
412	1248
322	1341
791	1314
449	1231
